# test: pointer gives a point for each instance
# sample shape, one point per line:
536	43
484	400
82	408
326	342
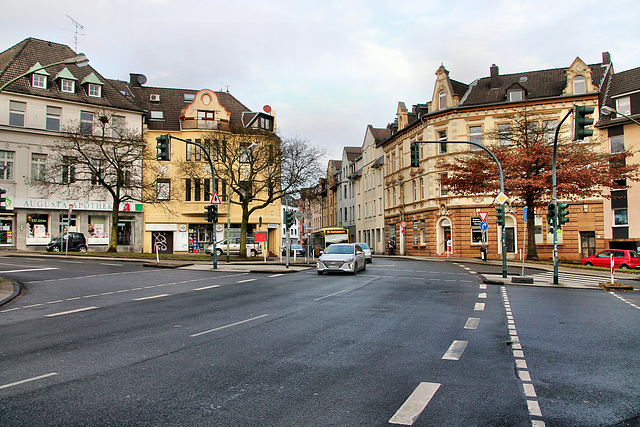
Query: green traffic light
415	155
581	122
164	147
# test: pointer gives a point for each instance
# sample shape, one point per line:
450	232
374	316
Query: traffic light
164	147
211	213
3	200
563	213
500	215
415	155
551	214
288	219
581	121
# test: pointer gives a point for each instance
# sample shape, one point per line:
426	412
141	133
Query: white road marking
151	297
28	380
483	286
479	306
107	263
229	325
415	404
472	323
455	350
72	262
206	287
276	275
534	408
245	281
77	310
482	295
28	269
330	295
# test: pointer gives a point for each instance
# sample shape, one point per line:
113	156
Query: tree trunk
532	250
243	230
113	236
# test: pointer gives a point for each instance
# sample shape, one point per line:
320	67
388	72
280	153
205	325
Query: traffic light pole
213	186
504	239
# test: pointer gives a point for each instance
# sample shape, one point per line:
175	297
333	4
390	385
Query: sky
328	69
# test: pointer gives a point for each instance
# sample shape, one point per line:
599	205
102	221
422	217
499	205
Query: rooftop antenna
75	35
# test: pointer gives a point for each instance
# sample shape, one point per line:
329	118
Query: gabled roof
621	83
23	56
352	153
379	134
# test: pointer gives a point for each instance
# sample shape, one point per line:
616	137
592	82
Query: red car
622	258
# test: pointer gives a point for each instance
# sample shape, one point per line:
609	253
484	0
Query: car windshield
339	249
363	245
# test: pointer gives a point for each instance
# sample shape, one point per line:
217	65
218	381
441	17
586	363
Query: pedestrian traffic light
288	219
415	155
3	200
500	215
563	213
164	147
581	121
551	214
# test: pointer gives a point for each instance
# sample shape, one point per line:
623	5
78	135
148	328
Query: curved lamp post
80	60
608	110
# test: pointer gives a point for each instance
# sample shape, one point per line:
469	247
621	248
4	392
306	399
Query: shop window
97	230
6	232
68	223
125	231
476	235
38	231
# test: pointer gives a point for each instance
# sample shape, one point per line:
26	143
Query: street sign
215	200
502	198
484	226
483	216
524	214
403	224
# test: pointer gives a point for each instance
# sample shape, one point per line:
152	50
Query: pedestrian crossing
569	279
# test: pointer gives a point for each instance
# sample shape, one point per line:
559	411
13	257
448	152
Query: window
94	90
422	188
6	164
96	174
579	85
415	191
68	170
515	95
205	115
415	233
442	136
16	113
39	81
163	189
623	105
68	86
442	100
157	115
620	217
549	127
423	233
443	189
475	135
245	153
53	118
118	125
86	122
504	135
37	166
616	144
189	97
476	234
197	190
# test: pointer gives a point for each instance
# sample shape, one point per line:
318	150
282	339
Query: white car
342	257
253	248
367	251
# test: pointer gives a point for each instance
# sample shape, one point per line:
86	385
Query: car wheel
55	249
624	266
82	249
588	264
219	252
254	253
320	272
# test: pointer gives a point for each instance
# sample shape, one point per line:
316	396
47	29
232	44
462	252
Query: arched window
579	85
442	100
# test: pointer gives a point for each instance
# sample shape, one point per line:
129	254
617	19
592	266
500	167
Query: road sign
502	198
215	200
483	216
484	226
524	214
403	224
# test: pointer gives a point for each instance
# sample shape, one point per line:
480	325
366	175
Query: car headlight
348	260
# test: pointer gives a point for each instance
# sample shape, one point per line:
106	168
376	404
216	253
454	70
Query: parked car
367	251
76	243
298	250
342	257
622	258
253	248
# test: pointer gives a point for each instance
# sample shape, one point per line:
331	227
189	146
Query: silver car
342	257
367	251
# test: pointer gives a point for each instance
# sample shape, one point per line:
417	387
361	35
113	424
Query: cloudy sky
329	68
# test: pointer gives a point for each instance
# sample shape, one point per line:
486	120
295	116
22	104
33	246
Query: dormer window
623	105
93	85
39	77
205	115
67	81
515	95
579	85
442	100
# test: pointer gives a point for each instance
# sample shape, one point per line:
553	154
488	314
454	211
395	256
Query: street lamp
608	110
80	60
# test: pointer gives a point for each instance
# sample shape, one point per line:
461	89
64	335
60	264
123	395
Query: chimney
495	76
137	80
606	58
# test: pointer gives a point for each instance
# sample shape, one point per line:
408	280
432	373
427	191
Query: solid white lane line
78	310
151	297
330	295
472	323
455	350
28	380
206	287
415	404
72	262
28	269
229	325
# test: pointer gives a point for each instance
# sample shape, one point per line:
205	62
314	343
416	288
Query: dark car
298	250
75	241
622	258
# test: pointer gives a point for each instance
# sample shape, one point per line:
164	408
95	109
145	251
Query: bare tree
100	159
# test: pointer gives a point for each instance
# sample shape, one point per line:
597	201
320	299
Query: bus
319	240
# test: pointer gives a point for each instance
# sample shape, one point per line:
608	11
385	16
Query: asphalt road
406	342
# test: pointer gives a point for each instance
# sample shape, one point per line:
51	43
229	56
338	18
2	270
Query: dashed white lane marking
151	297
245	281
415	404
276	275
479	306
472	323
521	365
631	303
229	325
482	295
77	310
455	350
108	263
330	295
483	286
206	287
39	377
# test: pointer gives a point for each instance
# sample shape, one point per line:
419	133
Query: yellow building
232	135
